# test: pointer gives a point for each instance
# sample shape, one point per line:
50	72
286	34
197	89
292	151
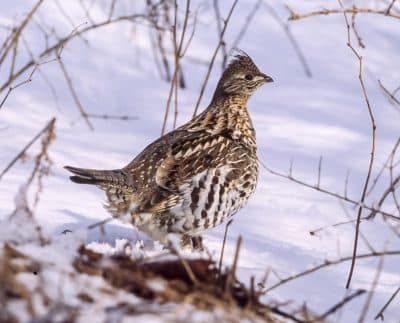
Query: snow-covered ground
296	118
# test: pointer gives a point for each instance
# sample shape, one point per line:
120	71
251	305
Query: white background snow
296	118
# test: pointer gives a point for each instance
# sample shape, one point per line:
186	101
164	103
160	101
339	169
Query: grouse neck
226	114
222	100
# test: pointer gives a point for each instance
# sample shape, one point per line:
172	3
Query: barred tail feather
92	176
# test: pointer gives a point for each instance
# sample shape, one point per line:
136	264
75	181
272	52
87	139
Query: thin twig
325	191
27	146
339	305
24	82
337	224
396	90
328	263
363	237
78	103
393	99
111	10
291	317
111	117
319	171
394	182
382	310
16	33
13	58
384	166
210	65
66	16
356	33
367	303
63	41
99	223
42	74
178	47
390	7
246	25
292	39
346	183
218	18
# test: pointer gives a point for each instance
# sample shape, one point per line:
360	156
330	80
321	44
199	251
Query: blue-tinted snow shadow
106	233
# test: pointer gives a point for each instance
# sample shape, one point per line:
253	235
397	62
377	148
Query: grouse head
241	77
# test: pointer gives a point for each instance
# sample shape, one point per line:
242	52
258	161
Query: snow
296	118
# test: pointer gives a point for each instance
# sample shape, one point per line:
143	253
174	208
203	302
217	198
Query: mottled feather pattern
196	176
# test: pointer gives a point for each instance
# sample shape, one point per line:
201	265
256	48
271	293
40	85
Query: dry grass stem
178	54
212	60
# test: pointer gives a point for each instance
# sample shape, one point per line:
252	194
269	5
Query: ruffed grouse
196	176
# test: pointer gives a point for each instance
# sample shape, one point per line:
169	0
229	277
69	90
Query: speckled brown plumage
196	176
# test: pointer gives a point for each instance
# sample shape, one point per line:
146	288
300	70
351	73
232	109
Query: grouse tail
94	176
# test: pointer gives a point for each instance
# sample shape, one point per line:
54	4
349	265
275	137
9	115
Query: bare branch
11	88
17	32
74	94
356	10
328	263
372	152
63	41
325	191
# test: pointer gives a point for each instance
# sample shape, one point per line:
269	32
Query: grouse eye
248	77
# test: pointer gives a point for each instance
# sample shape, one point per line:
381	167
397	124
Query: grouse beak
267	79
